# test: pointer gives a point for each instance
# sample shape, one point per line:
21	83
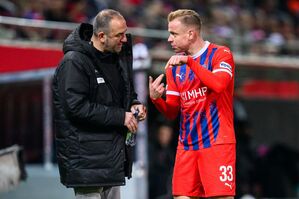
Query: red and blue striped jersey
206	115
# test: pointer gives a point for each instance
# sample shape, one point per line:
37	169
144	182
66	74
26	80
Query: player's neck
196	46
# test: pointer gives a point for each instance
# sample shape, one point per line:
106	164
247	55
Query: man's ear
101	36
191	34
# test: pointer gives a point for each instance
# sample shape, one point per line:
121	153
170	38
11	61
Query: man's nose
124	38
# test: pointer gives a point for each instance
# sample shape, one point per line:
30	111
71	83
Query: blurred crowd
251	27
254	27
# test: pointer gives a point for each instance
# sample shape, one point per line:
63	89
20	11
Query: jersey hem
191	149
206	195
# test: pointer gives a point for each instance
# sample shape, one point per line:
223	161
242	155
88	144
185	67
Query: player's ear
191	34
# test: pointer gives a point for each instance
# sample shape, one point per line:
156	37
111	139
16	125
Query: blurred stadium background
264	36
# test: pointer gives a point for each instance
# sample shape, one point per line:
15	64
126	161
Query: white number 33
226	173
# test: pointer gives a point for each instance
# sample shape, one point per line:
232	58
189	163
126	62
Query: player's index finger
159	79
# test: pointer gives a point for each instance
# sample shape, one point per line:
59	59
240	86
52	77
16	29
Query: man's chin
178	51
117	50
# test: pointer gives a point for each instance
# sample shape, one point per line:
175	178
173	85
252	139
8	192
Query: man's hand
176	60
156	88
131	122
141	111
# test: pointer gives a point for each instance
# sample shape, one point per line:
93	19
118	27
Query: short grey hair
102	21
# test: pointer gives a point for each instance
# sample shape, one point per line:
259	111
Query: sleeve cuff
134	102
156	100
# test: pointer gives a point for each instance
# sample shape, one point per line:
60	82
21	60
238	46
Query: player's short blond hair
187	17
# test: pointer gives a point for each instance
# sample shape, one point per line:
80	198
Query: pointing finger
159	79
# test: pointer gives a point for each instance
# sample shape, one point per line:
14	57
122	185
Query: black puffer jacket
89	114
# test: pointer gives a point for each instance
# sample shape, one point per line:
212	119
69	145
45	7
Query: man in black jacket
94	103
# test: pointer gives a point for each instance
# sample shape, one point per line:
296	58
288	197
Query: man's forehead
118	26
117	21
176	25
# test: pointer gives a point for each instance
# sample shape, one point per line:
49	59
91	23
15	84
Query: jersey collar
207	43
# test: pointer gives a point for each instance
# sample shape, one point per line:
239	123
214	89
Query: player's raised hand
176	60
156	88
